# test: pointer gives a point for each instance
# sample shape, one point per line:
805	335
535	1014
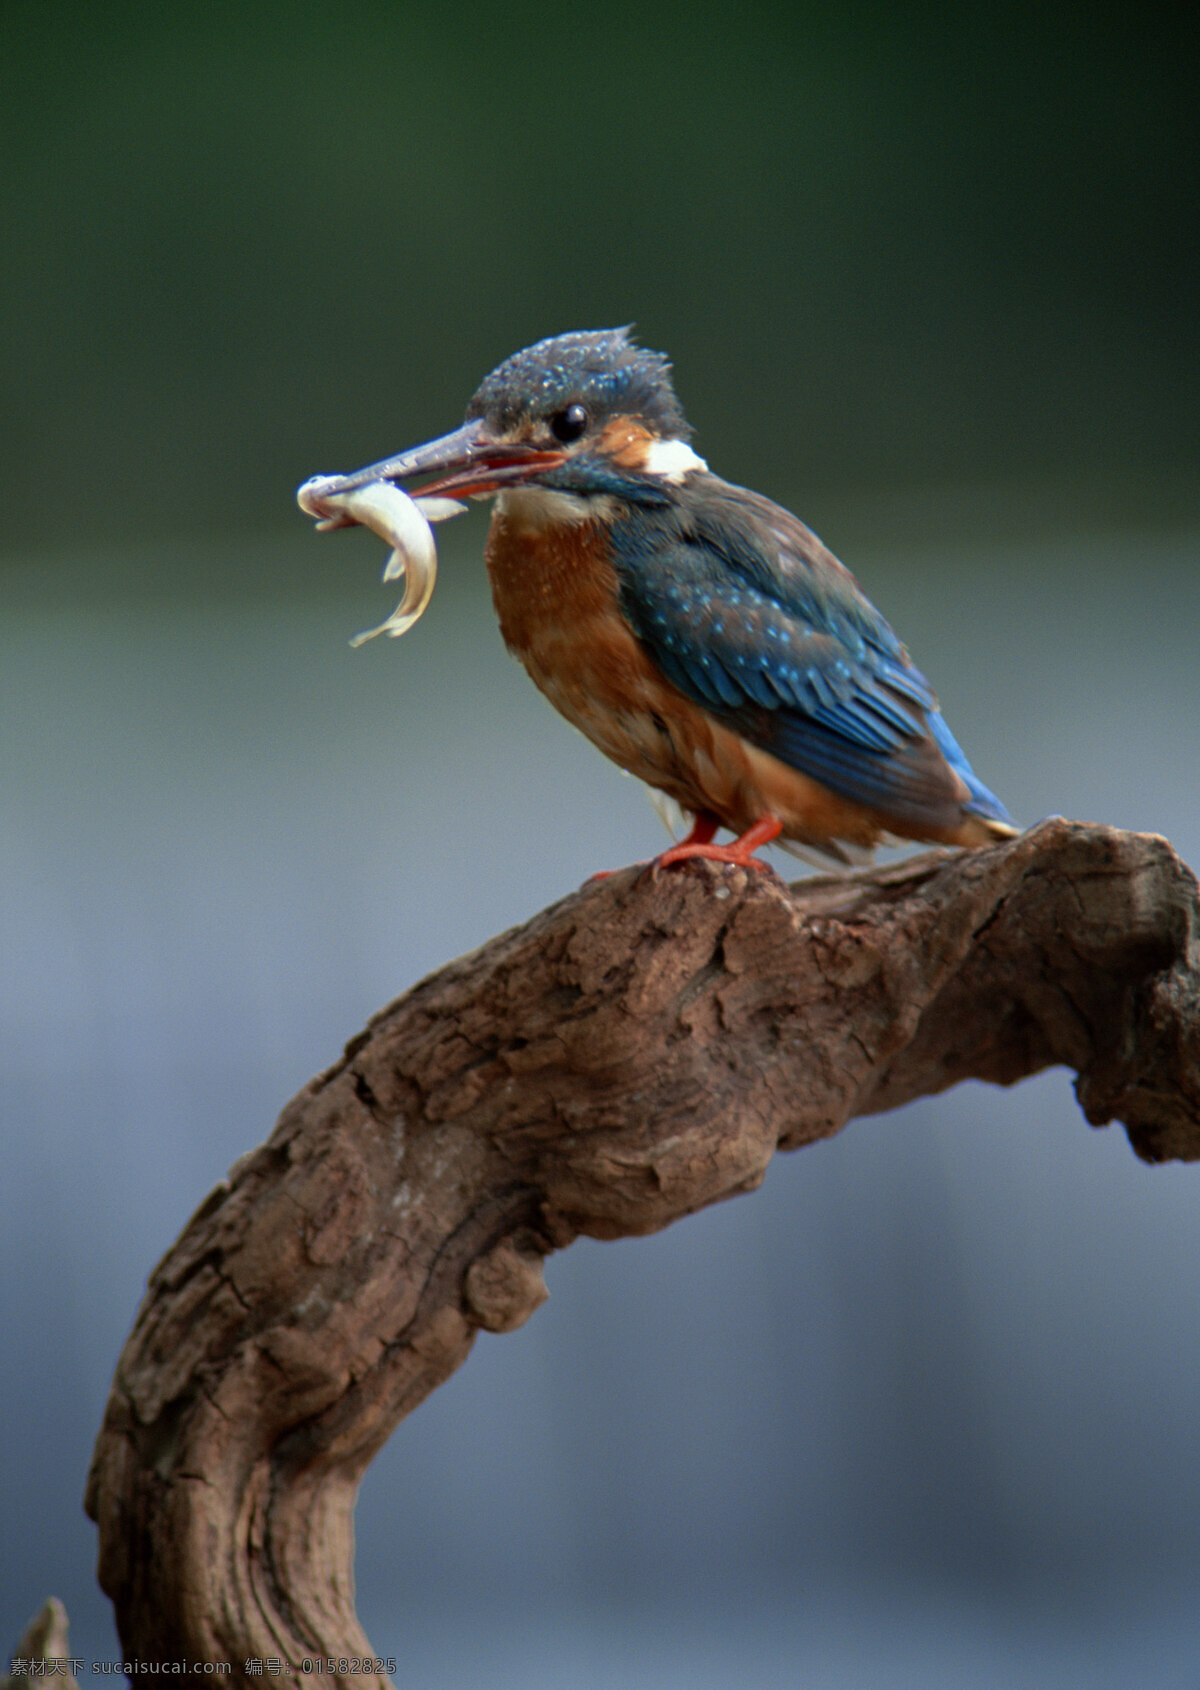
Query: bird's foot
704	827
741	853
699	843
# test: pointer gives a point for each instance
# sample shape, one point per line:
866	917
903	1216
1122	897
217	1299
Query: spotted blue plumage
745	611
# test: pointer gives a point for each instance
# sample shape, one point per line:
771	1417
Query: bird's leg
704	827
699	844
704	830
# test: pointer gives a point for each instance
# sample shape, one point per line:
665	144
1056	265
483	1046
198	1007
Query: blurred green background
885	245
921	1411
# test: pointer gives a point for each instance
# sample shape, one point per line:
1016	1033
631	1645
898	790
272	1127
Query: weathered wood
634	1053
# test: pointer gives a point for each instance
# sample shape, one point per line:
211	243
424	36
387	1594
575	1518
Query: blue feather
746	613
983	801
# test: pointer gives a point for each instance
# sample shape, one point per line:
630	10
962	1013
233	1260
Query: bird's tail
985	818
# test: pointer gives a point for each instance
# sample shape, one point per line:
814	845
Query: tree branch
634	1053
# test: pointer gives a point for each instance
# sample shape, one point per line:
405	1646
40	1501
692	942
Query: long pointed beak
469	460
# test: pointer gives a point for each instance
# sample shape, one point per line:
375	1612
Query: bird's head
588	415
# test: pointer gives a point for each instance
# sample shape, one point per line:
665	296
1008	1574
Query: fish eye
569	425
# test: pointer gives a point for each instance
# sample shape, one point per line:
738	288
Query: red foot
704	830
741	853
704	827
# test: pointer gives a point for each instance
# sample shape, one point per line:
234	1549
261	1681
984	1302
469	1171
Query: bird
698	633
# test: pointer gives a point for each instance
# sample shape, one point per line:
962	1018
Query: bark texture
635	1052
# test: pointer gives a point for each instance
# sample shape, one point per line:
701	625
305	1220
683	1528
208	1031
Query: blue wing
748	614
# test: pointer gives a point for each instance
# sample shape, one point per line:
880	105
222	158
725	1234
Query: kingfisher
696	632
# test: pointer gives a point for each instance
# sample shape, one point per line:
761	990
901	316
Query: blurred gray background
922	1411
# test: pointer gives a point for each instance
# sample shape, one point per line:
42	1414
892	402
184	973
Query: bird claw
727	855
699	844
738	855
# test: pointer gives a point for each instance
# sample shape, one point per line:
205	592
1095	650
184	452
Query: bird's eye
570	424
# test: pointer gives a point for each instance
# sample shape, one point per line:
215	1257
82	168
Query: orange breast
556	597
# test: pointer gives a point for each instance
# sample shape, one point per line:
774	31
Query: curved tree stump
635	1052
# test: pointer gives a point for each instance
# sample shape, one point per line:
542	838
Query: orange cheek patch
626	442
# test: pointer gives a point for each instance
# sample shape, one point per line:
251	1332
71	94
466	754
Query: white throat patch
535	508
671	460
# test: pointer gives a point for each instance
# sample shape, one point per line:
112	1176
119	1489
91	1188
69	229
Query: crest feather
603	369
